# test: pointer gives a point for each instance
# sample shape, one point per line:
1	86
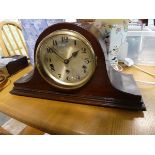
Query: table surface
56	117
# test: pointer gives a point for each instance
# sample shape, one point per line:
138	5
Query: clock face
65	59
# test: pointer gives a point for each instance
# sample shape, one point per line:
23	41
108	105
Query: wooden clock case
107	87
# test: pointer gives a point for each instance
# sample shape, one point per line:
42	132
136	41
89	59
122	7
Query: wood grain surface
69	118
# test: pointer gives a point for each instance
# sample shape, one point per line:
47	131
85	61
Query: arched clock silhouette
70	66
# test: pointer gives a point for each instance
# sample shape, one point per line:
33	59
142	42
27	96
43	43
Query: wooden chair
11	40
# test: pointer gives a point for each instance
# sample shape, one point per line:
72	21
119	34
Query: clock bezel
48	77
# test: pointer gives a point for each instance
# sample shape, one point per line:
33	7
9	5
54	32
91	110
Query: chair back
11	39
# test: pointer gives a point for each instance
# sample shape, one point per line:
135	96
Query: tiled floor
9	125
3	118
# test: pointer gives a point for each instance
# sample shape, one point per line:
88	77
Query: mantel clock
71	65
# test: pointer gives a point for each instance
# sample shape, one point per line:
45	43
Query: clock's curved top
65	58
70	26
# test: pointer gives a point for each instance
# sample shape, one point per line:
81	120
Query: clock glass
65	59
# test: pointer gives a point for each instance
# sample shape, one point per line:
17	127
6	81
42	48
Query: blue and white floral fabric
32	28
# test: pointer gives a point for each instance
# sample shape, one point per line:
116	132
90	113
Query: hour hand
74	54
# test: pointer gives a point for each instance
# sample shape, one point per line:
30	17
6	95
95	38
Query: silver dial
65	59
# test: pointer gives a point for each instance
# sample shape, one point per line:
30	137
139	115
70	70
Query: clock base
100	100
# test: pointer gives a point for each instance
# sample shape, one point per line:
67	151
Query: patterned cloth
114	32
32	28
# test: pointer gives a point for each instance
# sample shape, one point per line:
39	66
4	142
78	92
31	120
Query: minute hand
54	50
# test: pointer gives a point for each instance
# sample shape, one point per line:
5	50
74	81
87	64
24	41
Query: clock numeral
59	75
50	50
75	42
67	78
86	60
55	43
52	67
67	71
64	39
84	68
83	50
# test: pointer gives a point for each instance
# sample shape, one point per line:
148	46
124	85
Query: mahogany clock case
99	91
